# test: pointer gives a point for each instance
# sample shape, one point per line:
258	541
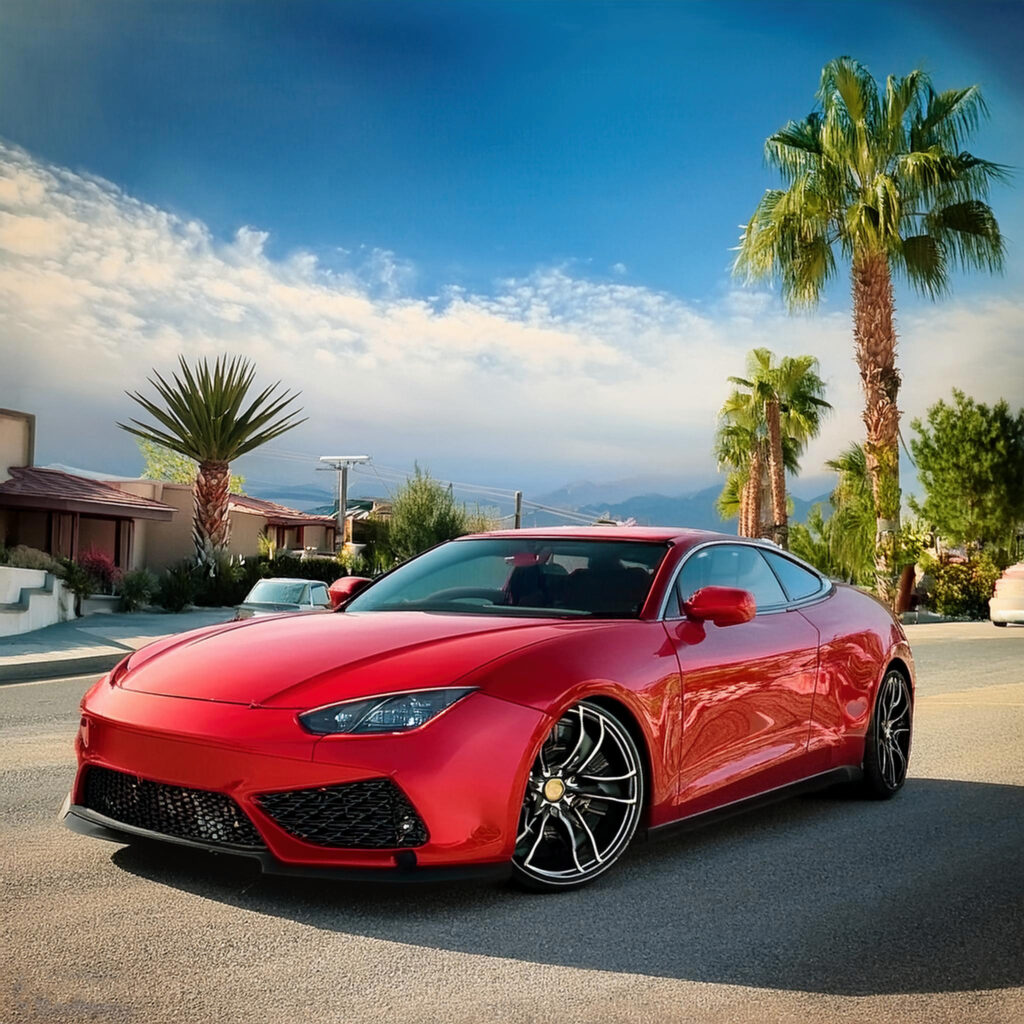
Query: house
139	523
61	513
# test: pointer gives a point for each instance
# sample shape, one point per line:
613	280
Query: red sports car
521	702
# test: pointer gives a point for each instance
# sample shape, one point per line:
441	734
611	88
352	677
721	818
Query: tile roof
277	515
34	487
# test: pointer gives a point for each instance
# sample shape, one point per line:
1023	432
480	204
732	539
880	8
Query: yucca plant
206	415
878	178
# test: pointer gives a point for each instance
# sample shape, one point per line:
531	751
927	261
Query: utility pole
517	522
341	463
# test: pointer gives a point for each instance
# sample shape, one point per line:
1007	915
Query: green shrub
226	582
137	589
326	570
79	581
962	590
178	587
21	556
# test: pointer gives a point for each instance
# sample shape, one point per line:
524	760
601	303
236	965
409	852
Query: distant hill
696	510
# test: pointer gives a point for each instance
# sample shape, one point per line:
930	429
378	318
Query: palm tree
788	395
881	178
853	518
742	444
203	419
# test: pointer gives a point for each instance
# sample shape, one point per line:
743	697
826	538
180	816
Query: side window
320	596
730	565
799	583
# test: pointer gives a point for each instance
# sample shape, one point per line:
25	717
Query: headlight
397	712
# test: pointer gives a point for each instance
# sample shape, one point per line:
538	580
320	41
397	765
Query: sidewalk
93	644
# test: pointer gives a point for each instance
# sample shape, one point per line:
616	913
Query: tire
998	623
887	745
583	802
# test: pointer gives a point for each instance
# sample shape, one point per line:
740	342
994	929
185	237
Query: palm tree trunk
875	344
777	475
211	526
754	492
741	519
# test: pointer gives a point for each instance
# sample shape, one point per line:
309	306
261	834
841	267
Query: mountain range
615	500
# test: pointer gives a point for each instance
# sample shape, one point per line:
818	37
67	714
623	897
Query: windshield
278	592
532	577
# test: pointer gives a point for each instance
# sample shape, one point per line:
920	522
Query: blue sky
567	167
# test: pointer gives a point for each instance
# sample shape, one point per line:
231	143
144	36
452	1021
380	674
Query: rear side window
799	583
731	565
320	598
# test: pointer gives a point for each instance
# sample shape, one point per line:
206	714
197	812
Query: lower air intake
196	814
370	815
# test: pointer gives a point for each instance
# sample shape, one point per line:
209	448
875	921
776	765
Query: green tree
787	397
970	461
879	178
207	415
161	463
423	513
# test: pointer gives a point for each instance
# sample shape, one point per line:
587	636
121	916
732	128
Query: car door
747	689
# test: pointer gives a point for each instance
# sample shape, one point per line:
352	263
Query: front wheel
887	748
583	801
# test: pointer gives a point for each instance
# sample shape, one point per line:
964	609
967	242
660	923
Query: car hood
304	661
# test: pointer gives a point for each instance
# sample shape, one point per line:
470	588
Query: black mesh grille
171	810
371	815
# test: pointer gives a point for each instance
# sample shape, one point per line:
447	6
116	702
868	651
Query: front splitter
98	826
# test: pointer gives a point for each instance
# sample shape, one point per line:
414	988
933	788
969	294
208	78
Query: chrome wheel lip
893	729
586	858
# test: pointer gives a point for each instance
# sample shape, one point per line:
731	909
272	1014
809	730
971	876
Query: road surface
818	909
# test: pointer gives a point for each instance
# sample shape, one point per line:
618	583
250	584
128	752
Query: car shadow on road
923	893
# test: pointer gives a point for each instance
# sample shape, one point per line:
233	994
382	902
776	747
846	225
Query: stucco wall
245	531
16	437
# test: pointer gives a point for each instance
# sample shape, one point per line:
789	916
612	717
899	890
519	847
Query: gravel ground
818	909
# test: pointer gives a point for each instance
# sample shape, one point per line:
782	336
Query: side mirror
342	591
724	606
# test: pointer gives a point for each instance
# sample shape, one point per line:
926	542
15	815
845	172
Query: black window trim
826	589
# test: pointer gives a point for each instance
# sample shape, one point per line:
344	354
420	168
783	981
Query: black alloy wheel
887	748
583	801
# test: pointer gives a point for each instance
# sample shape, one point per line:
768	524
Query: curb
32	672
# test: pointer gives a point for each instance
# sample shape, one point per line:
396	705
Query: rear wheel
583	801
994	623
887	748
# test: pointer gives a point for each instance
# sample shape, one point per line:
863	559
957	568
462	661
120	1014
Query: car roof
657	534
286	579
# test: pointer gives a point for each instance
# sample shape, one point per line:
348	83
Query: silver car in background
274	596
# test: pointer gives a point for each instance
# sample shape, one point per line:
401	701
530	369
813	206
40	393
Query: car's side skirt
833	777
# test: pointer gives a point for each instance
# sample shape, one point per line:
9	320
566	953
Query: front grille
370	815
171	810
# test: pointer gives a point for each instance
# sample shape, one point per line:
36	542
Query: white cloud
551	374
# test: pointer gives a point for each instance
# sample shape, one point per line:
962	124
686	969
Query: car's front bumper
405	869
464	774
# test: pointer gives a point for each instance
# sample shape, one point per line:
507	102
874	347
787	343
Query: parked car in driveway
1007	604
273	596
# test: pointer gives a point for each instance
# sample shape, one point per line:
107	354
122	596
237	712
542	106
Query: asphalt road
819	909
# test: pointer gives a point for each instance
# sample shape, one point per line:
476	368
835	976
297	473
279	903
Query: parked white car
1007	604
274	596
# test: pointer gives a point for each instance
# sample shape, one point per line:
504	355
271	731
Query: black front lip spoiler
90	823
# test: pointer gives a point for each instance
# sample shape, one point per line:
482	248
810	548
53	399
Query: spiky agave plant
881	179
206	415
